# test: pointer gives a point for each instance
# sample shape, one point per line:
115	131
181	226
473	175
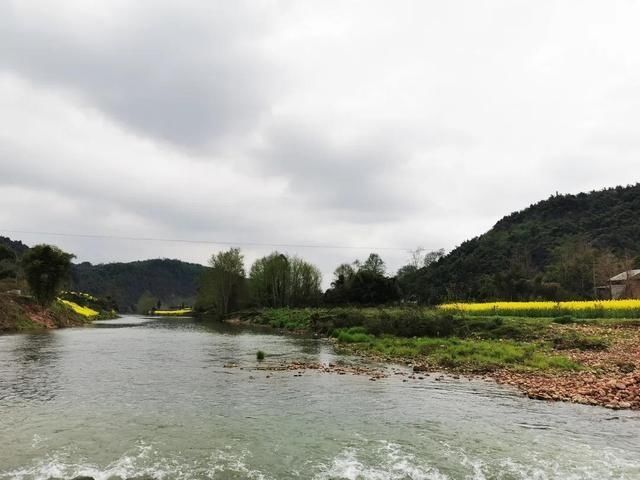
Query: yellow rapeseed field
582	309
84	311
183	311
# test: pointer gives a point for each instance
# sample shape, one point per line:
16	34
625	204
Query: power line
204	242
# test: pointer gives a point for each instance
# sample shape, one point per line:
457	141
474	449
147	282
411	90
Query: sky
367	125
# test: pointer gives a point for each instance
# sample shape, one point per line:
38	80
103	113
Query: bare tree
416	257
433	256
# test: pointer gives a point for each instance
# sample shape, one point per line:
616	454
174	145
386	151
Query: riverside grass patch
577	309
458	353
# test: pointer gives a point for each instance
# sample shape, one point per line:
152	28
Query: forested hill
138	286
557	248
15	246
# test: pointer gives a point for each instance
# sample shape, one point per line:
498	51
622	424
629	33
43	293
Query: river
152	397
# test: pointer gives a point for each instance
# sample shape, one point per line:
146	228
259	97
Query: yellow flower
84	311
183	311
597	308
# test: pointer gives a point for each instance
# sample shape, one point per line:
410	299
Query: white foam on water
371	461
60	465
393	464
37	440
226	461
390	462
602	465
144	462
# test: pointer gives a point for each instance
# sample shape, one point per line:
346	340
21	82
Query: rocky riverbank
611	376
594	362
615	392
608	377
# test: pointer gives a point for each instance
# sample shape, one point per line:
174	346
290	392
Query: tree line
276	280
280	280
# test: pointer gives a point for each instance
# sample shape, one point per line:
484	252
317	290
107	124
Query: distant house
623	285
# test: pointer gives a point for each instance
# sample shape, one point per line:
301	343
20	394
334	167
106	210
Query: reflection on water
154	398
27	371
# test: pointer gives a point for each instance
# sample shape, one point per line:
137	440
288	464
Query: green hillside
138	286
558	248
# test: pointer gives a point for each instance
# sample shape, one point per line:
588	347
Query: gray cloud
164	71
353	177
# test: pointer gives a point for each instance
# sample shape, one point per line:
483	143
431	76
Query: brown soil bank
20	313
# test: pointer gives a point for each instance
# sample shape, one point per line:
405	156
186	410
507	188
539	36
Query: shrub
260	355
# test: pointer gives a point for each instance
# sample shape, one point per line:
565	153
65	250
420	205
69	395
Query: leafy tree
370	288
227	277
363	283
373	264
269	279
342	274
305	281
279	281
46	267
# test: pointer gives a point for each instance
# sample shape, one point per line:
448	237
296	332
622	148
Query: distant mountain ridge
172	282
556	248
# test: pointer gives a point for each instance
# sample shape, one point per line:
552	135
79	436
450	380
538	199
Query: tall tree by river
227	275
277	280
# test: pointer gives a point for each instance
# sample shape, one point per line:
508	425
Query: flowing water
151	398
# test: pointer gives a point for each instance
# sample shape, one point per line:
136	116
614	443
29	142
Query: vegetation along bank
590	361
32	295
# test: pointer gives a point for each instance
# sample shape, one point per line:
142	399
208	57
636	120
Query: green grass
443	339
353	335
24	324
457	353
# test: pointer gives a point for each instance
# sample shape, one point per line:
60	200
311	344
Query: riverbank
608	376
588	361
21	313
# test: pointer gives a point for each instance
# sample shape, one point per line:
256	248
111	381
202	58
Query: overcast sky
363	123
